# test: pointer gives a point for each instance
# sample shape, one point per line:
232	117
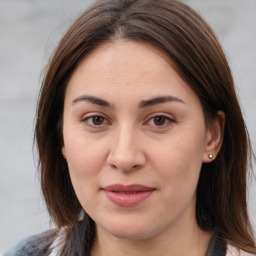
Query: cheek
179	154
85	157
85	161
179	175
178	162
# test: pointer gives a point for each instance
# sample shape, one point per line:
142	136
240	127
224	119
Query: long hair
196	55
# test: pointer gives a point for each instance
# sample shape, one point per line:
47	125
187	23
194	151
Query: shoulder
233	251
35	245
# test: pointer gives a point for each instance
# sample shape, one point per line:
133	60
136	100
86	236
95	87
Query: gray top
37	245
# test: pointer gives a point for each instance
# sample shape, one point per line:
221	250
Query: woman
142	145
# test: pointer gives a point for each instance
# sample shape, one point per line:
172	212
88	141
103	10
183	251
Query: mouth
131	195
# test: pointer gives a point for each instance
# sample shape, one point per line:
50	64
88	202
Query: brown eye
159	120
97	120
94	121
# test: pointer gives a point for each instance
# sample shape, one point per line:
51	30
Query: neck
191	242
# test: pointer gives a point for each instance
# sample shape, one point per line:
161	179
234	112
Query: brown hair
182	35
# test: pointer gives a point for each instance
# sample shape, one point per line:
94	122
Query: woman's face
134	139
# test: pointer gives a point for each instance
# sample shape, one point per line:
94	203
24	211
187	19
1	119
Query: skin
126	144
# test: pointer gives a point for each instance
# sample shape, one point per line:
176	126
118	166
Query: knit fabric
36	246
32	246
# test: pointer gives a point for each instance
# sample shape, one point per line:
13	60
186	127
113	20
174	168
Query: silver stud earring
210	156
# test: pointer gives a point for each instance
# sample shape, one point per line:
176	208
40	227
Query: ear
63	150
214	137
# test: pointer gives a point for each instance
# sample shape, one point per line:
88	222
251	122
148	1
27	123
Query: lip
130	195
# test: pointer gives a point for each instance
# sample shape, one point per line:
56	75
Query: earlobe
214	137
63	151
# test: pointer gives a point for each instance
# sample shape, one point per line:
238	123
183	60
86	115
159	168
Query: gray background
29	31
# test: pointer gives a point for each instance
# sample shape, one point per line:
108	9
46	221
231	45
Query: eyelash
86	120
167	120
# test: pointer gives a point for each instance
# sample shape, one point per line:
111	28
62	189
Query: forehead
122	56
129	68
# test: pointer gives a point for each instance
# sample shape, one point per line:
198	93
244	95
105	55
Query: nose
126	151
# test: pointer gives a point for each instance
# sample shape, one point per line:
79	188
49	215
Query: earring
210	156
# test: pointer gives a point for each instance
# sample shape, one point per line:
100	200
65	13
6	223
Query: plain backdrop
29	32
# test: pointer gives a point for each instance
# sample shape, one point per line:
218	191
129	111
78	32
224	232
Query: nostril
125	154
125	164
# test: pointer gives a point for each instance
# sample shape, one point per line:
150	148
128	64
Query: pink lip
127	195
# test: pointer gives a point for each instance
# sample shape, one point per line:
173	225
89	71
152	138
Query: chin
129	230
131	234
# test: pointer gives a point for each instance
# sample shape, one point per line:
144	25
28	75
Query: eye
95	120
160	121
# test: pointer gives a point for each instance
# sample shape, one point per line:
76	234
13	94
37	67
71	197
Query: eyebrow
143	103
158	100
92	99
